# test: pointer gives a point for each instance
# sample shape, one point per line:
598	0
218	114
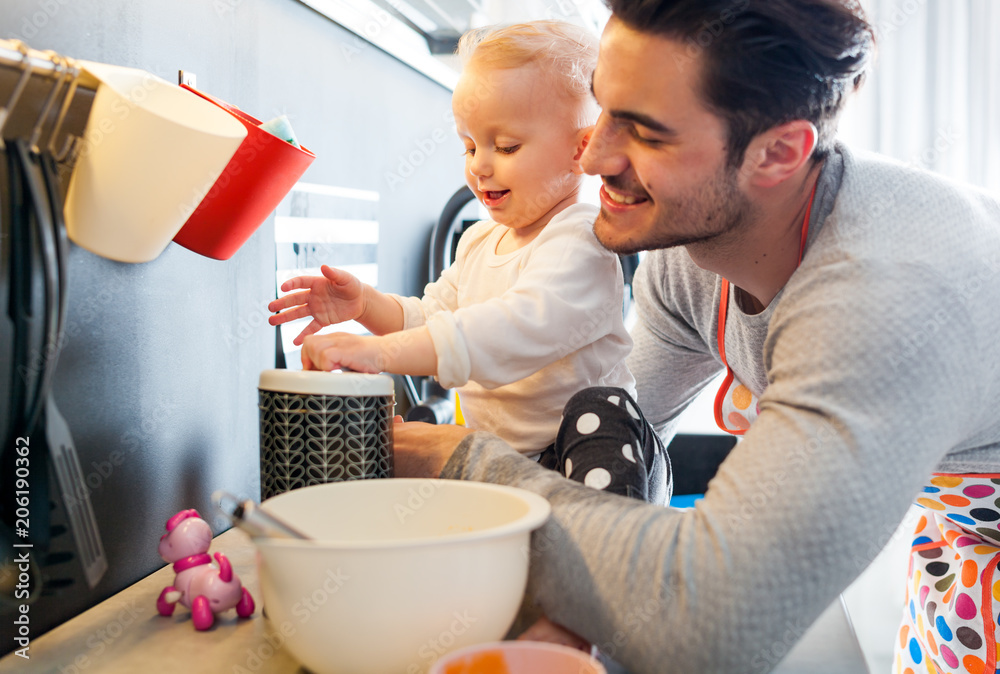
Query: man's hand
549	632
421	450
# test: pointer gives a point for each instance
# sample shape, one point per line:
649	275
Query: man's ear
778	153
583	138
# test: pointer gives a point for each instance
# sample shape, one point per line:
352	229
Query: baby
530	312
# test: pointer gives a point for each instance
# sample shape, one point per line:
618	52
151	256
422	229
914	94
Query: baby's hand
341	350
546	630
334	297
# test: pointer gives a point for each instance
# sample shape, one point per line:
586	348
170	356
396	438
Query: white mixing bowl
401	571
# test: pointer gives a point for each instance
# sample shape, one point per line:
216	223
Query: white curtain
933	99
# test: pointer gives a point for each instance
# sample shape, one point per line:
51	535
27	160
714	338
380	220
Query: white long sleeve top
520	333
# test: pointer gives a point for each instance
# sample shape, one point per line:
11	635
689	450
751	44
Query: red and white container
260	174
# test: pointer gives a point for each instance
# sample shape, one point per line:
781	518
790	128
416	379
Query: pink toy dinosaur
199	585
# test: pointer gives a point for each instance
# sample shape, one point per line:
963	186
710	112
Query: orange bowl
517	657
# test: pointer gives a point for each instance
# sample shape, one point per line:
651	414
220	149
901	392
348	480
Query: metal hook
73	75
69	150
18	88
60	70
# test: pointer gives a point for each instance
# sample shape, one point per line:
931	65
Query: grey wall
158	376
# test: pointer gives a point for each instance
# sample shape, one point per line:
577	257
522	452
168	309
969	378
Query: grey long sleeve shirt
878	364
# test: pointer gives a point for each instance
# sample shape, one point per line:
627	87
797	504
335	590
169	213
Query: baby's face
522	140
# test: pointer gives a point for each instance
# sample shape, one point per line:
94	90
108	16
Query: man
852	301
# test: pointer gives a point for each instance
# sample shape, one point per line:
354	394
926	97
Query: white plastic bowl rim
538	512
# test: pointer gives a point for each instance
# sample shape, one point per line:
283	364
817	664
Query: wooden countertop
125	635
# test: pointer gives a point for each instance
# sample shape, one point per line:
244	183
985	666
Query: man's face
659	151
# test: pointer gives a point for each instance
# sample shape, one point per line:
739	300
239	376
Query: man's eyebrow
636	117
642	120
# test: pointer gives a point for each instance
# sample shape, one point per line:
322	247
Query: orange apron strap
727	382
720	396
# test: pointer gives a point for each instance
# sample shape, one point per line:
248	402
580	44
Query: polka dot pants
953	582
605	443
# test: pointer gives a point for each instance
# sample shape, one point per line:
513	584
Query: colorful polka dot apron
736	407
953	587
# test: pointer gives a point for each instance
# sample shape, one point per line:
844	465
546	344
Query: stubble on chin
606	232
711	216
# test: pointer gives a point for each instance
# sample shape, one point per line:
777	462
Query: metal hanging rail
44	97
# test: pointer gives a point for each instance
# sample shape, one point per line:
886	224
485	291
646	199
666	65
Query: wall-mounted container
150	153
260	174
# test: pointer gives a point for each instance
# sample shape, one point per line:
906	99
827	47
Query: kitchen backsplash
158	376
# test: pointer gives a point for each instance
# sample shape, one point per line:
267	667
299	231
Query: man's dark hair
765	62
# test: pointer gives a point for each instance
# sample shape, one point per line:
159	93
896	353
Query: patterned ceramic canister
318	427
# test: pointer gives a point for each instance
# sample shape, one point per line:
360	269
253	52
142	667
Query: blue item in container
282	128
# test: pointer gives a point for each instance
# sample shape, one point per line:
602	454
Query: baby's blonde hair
565	50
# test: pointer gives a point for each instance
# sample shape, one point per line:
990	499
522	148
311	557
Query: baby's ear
583	139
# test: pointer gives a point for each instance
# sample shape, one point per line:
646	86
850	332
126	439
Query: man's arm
795	512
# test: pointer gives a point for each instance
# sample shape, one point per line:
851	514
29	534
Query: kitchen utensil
7	335
517	657
399	570
257	178
318	427
151	152
75	496
247	515
57	440
31	334
44	232
69	474
11	414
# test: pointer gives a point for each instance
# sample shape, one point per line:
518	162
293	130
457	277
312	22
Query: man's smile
617	197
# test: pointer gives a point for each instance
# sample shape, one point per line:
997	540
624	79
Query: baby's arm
402	352
335	297
566	297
